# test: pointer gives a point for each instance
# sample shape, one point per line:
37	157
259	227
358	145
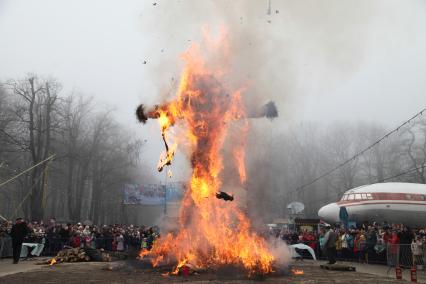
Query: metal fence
391	255
406	256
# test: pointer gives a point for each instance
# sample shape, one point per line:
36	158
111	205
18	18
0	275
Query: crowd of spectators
371	243
55	236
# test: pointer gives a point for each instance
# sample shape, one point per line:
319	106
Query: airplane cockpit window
351	196
344	197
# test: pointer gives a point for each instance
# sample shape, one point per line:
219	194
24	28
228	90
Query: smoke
276	56
281	253
281	54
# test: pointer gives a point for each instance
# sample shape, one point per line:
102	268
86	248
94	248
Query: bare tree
34	111
416	149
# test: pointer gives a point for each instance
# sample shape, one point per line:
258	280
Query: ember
211	234
297	271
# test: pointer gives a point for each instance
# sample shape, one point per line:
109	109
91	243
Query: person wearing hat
19	231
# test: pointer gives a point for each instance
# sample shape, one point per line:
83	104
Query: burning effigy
212	233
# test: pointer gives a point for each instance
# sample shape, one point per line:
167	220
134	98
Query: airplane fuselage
391	202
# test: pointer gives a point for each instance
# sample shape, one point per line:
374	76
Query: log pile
79	255
72	255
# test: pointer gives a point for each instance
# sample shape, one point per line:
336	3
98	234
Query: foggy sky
319	60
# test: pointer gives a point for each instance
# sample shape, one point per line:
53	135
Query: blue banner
153	194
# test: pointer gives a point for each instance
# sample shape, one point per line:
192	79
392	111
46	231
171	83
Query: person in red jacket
311	241
393	248
386	237
75	241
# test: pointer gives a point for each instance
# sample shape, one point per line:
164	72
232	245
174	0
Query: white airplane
393	202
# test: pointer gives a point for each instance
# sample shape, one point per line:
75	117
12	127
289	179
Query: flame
212	232
144	252
297	271
52	261
178	267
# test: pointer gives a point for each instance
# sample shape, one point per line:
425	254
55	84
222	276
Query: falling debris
271	110
268	110
166	159
225	196
144	62
154	4
277	12
269	21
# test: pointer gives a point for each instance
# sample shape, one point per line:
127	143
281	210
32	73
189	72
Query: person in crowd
86	236
4	228
386	235
19	231
339	244
371	241
347	244
311	240
65	235
120	241
76	240
380	247
393	249
405	239
150	238
93	235
360	246
417	250
330	238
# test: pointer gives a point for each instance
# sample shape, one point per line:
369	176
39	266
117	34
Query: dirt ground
131	272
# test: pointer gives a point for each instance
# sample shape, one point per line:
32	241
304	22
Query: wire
403	173
27	170
357	154
28	193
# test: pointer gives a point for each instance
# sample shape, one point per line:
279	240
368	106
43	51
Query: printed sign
153	194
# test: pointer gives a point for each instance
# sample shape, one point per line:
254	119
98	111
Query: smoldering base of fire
282	264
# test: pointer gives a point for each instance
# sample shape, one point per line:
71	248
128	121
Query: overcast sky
323	60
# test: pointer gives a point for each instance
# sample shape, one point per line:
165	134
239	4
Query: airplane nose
329	213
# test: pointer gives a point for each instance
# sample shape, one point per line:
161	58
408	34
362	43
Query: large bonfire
212	232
